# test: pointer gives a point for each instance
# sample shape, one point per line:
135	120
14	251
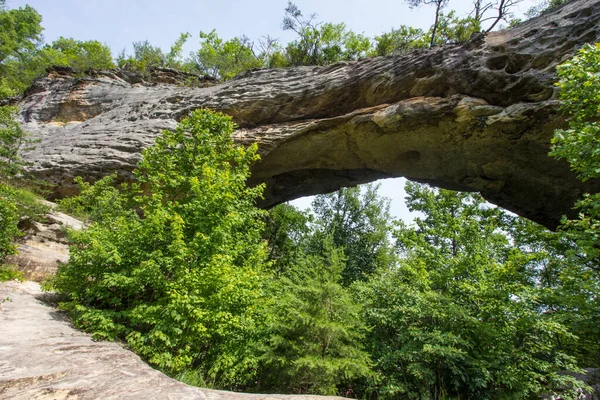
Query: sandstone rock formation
476	116
44	245
43	357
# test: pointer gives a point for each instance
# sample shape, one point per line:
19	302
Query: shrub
176	269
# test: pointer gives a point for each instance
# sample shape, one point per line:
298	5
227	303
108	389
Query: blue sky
118	23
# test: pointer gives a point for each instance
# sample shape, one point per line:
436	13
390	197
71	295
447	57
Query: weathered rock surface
476	117
44	245
43	357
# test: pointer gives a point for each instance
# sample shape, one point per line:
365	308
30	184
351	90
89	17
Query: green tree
453	29
398	41
145	57
315	343
13	140
439	5
177	269
580	94
569	284
321	43
173	58
9	218
20	38
224	59
578	144
20	33
460	314
358	221
287	232
80	55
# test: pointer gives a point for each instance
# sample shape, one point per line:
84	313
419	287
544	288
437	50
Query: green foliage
439	5
315	345
578	144
453	29
97	202
79	55
321	43
145	57
20	32
399	40
359	223
29	203
287	232
577	278
569	286
9	272
183	283
173	58
461	313
13	139
16	204
9	218
580	94
224	59
20	37
22	59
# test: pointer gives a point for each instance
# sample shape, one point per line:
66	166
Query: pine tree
315	346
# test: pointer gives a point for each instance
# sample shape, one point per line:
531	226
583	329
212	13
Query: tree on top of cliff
439	5
321	43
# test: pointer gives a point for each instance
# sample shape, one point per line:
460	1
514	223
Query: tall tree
224	59
578	144
20	38
358	220
321	43
287	232
316	332
20	31
461	307
439	5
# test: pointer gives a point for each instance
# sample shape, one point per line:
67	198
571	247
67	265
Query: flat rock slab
43	357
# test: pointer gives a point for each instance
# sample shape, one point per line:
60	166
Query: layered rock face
477	116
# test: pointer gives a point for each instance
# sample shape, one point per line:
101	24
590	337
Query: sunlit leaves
174	264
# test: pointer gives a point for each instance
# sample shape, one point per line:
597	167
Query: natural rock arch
476	116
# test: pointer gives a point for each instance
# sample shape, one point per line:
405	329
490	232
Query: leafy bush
175	269
9	218
13	139
9	273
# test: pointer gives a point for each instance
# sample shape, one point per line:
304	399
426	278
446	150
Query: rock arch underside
476	116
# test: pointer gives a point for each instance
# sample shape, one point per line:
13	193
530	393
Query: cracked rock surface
476	116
